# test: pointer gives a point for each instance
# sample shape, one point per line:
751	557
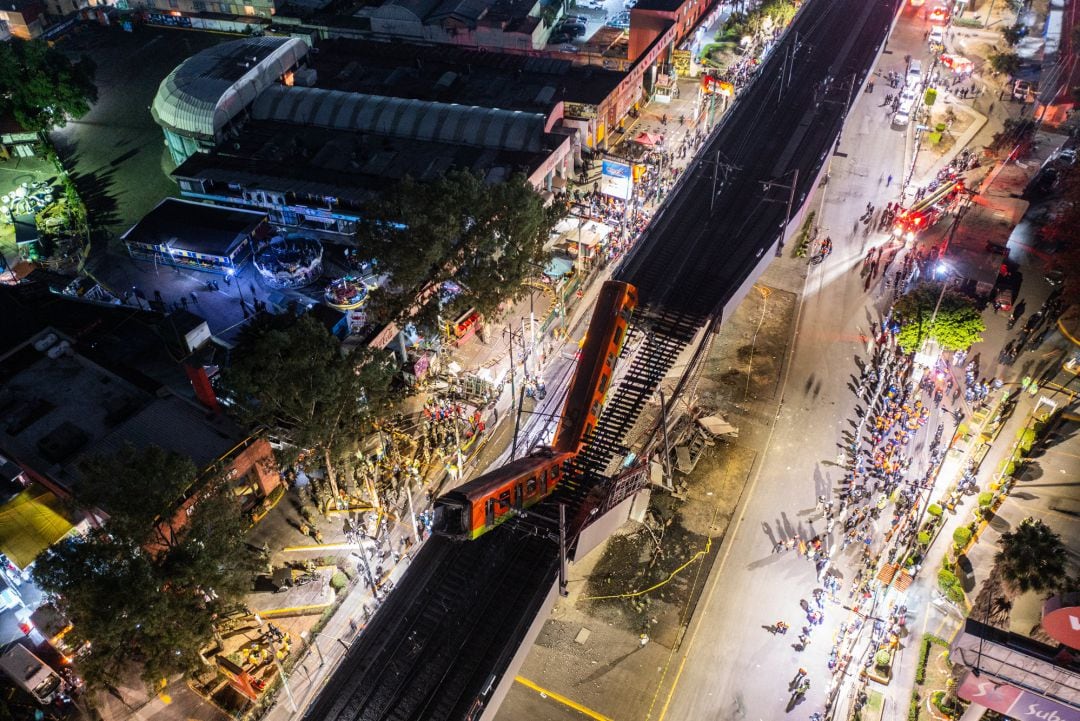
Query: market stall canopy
558	266
30	523
592	233
649	139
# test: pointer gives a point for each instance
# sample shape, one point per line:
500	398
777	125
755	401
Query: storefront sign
1013	702
1061	619
579	110
615	180
681	60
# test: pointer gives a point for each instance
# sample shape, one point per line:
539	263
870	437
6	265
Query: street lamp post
239	289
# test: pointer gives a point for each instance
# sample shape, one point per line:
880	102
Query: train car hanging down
474	508
604	341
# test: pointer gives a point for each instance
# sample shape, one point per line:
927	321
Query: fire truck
909	222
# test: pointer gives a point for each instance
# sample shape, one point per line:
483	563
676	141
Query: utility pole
717	167
769	185
667	445
412	514
562	551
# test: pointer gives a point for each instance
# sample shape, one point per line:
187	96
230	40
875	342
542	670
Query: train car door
489	512
519	497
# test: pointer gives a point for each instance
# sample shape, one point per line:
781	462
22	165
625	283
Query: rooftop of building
195	227
662	6
132	341
57	411
352	167
206	91
452	74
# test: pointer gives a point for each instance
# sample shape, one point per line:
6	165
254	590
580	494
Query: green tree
135	599
1031	558
136	488
1005	63
957	325
41	87
1013	33
487	239
288	372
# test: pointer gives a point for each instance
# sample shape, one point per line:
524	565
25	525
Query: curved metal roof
209	89
404	118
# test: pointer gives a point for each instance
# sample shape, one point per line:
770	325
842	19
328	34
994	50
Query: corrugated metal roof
210	88
403	118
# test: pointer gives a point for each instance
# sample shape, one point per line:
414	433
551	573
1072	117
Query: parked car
1024	91
937	36
559	38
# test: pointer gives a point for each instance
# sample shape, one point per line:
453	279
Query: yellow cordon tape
562	699
696	557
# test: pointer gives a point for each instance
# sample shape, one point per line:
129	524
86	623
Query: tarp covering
31	522
558	267
648	139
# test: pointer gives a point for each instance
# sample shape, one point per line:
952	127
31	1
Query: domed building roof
206	91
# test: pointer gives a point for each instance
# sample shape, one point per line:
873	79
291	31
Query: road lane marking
561	699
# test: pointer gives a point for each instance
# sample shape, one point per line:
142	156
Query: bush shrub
881	659
1027	439
339	581
955	593
924	656
985	499
946	579
914	708
961	536
802	241
923	539
934	510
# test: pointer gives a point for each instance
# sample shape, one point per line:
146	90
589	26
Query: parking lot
585	19
116	153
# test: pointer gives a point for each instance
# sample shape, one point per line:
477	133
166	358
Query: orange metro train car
476	507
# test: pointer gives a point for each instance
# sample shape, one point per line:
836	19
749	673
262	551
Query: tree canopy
1032	558
288	372
1005	63
133	598
41	87
487	238
958	323
136	488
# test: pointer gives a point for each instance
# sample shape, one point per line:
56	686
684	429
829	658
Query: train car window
596	406
530	486
611	359
602	388
504	499
555	471
489	512
617	339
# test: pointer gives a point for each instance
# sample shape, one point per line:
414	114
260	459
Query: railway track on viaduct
445	637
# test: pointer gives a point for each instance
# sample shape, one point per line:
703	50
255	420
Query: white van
30	673
903	113
914	74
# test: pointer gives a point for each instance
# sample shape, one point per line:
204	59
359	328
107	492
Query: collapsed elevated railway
443	644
